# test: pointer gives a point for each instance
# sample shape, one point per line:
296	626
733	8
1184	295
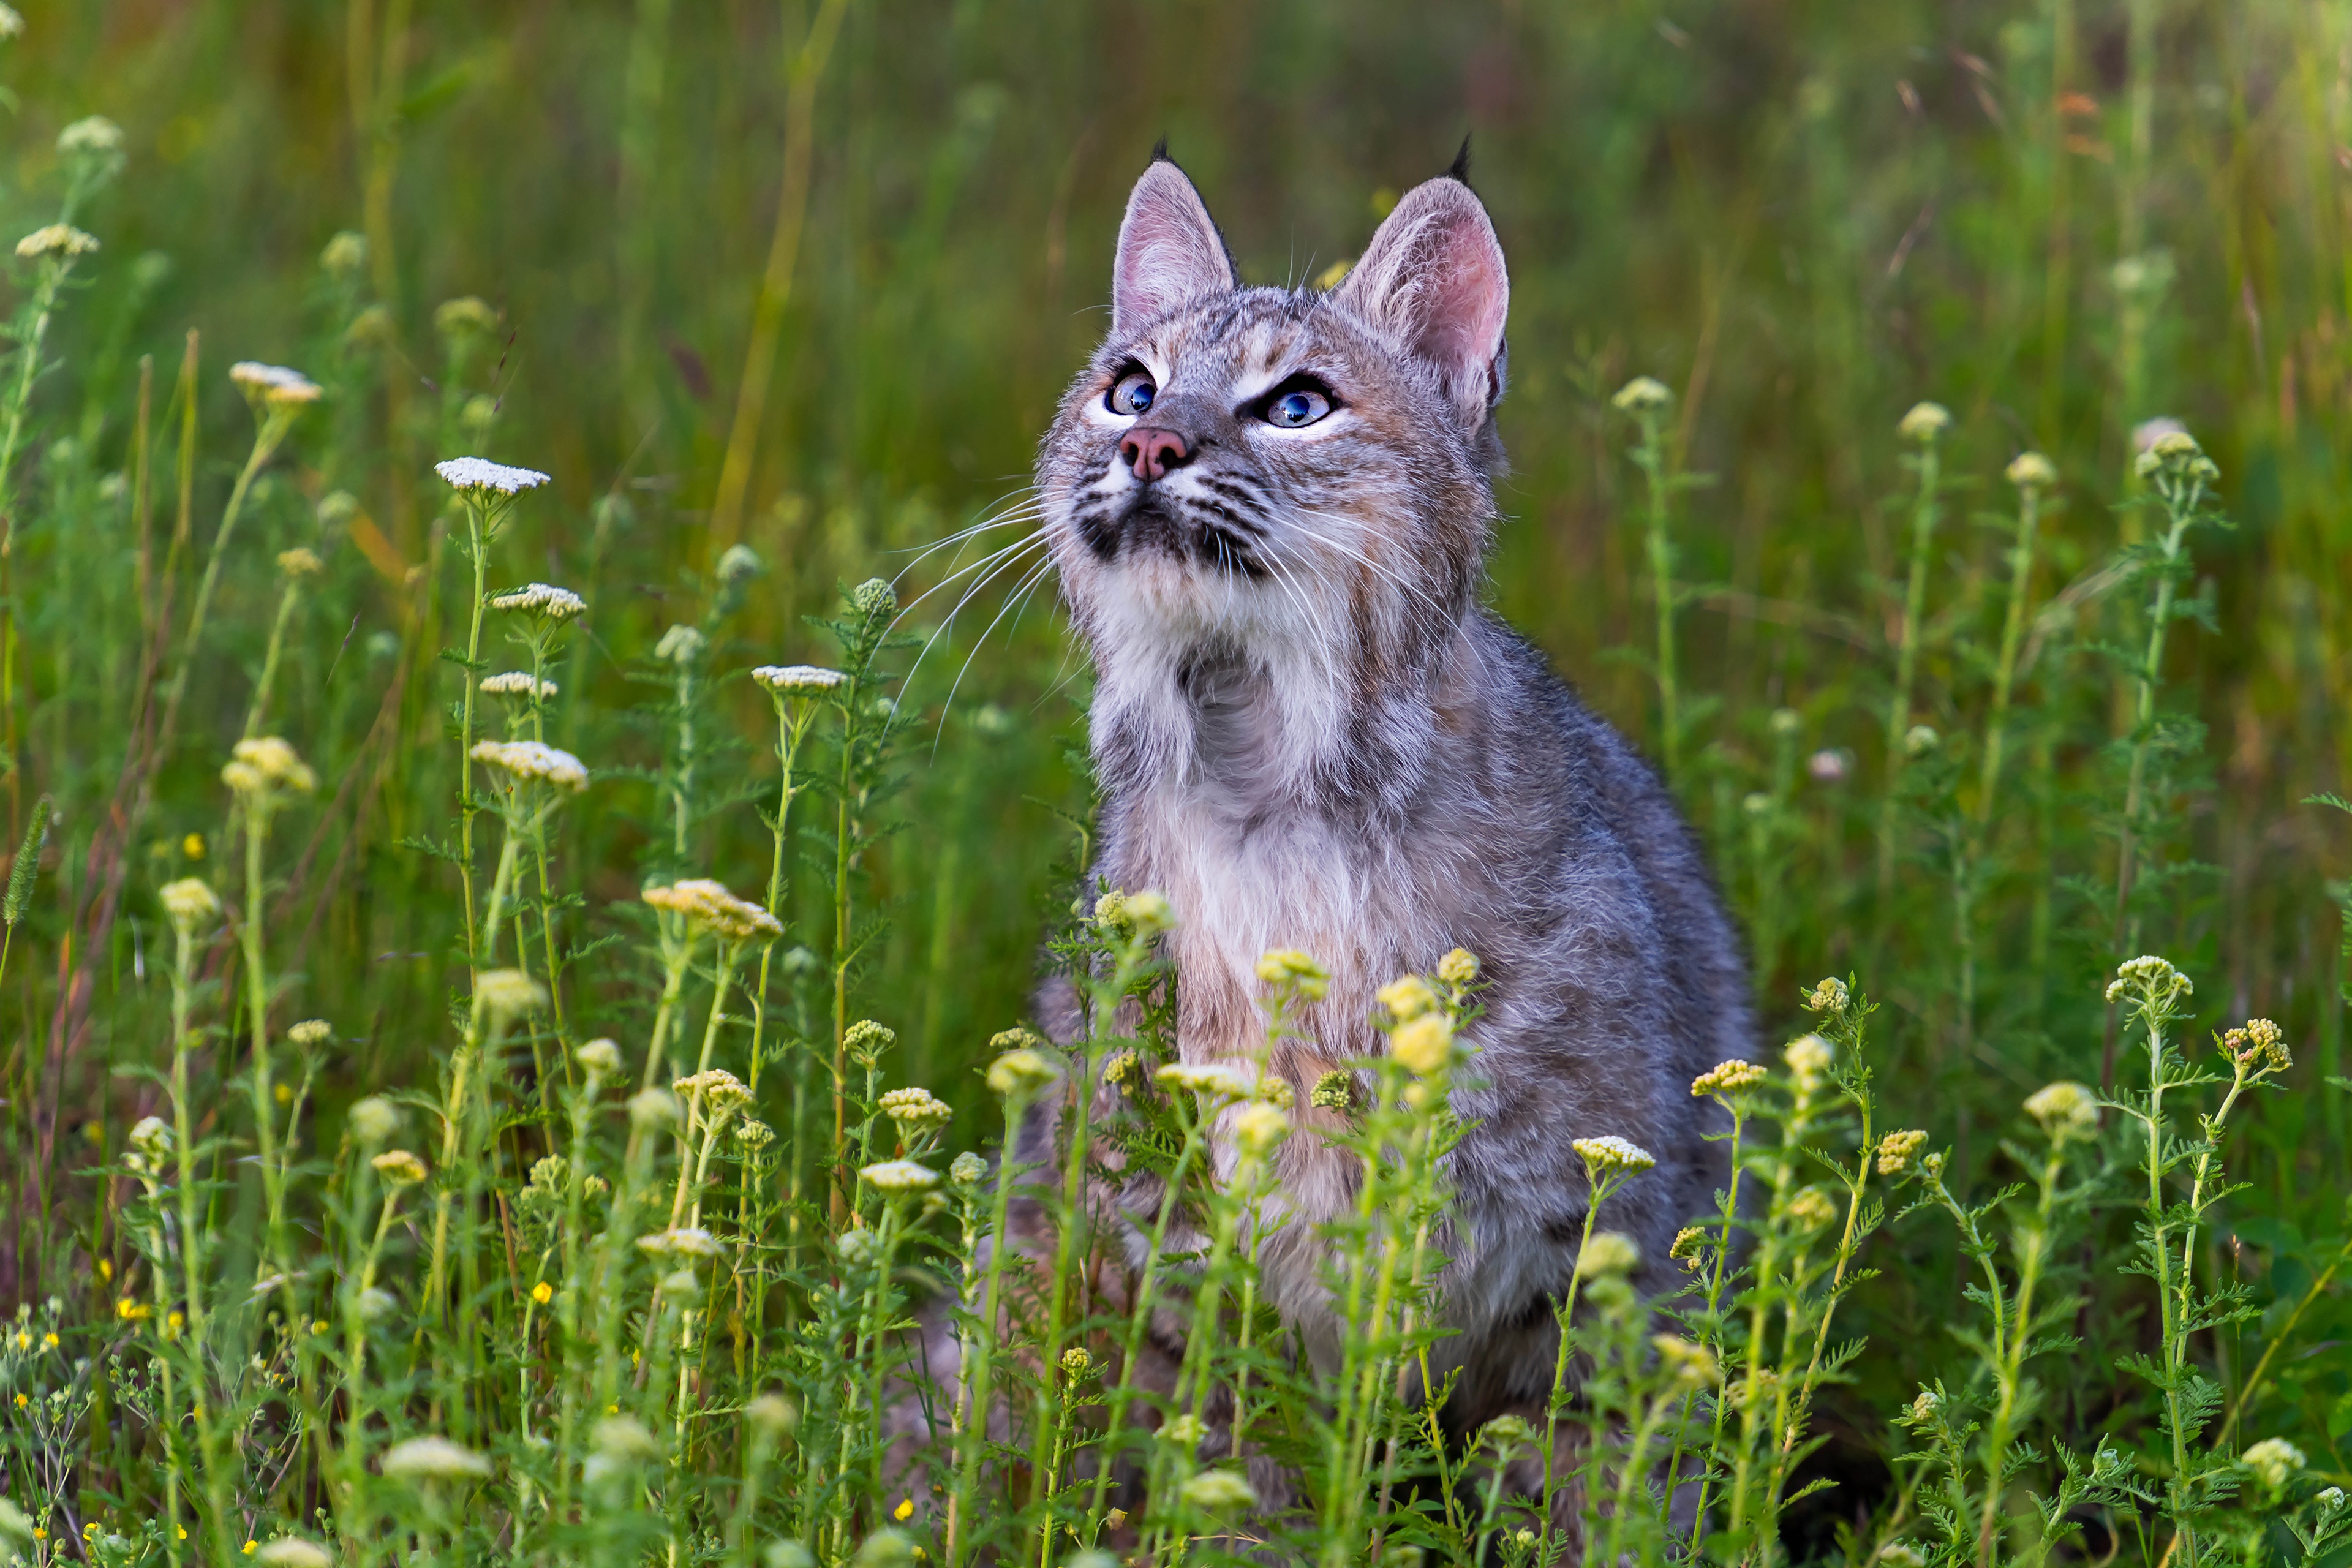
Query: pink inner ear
1464	301
1433	278
1169	250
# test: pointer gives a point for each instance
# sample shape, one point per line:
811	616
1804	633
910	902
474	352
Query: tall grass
505	1062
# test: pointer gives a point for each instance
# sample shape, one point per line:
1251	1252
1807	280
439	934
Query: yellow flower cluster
709	905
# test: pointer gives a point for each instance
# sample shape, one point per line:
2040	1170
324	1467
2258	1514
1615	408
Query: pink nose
1152	453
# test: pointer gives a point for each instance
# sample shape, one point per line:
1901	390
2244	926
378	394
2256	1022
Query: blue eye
1132	395
1297	407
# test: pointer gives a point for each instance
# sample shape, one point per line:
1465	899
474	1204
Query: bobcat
1269	510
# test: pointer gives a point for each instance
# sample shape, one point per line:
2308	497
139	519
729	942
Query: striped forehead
1249	338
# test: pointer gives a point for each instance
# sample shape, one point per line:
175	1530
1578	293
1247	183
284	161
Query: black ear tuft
1159	151
1460	170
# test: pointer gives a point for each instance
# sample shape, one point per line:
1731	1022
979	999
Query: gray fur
1311	733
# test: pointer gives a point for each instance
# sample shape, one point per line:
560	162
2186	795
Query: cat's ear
1432	282
1168	249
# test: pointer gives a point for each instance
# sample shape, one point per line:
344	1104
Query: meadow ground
466	985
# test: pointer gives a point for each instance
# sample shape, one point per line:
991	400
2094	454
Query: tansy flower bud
1612	1155
399	1167
1643	395
1608	1253
1726	1077
1895	1150
1924	424
2031	471
1424	1046
1458	968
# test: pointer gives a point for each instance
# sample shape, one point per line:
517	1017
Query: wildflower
896	1178
1216	1080
540	599
680	645
798	679
1274	1090
12	25
967	1169
273	384
1924	424
532	762
916	1110
151	1137
790	1555
1900	1555
721	1091
1828	996
463	314
190	903
2031	471
1829	765
1019	1074
1612	1156
653	1110
905	1510
1811	1209
259	766
434	1459
1407	997
772	1413
2260	1040
875	597
399	1167
375	1305
1895	1150
479	476
57	239
2154	978
754	1134
1920	738
293	1552
707	904
250	1547
133	1311
1218	1491
2064	1108
2275	1460
193	845
1809	1056
1609	1253
2330	1500
1686	1247
1183	1432
517	683
344	255
1335	1091
885	1548
1725	1077
1076	1364
1458	968
2148	432
1289	966
299	562
857	1247
1925	1404
312	1032
681	1241
1149	913
1259	1127
1643	395
505	992
542	1293
1424	1046
600	1057
1504	1433
1691	1364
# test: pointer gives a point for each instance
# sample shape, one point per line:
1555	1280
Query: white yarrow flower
95	133
269	382
517	683
434	1459
481	474
57	239
535	761
798	679
897	1176
541	599
1610	1155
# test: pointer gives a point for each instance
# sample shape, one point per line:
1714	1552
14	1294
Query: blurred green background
2059	218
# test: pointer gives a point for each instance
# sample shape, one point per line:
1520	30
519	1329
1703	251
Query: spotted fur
1311	733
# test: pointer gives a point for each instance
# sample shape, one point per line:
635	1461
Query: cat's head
1262	468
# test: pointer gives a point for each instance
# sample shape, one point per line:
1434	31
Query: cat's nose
1152	452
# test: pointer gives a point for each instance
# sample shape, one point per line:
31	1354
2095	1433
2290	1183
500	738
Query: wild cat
1270	509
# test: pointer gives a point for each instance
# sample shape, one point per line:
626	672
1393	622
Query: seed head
1021	1073
600	1057
480	477
1407	997
1424	1044
967	1169
1609	1253
1896	1149
1458	968
798	679
190	903
2031	471
916	1110
1643	395
399	1167
1612	1156
540	599
1726	1077
57	239
1924	424
896	1177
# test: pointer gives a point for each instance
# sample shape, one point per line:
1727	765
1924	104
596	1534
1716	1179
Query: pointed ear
1169	250
1432	282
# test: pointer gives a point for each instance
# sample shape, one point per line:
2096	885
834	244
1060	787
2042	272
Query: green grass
1970	744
